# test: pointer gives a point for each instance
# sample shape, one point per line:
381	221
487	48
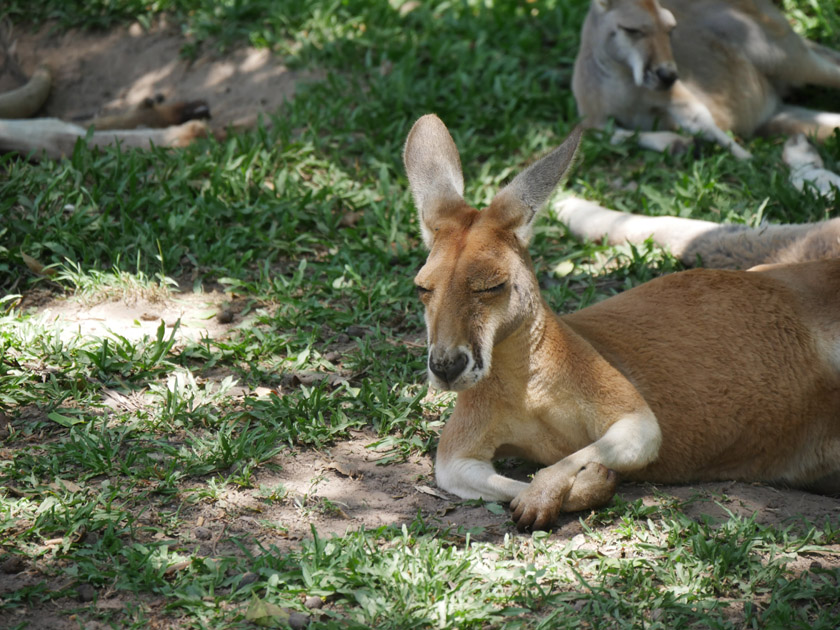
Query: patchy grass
114	446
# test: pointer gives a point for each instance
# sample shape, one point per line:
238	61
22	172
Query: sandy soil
343	488
108	71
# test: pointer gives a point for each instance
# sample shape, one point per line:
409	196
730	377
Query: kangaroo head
478	285
637	34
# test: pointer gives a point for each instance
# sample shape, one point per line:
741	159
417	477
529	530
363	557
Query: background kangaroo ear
516	206
434	173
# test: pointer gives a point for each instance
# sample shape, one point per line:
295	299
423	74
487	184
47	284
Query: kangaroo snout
667	75
447	366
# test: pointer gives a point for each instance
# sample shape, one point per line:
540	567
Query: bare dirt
101	72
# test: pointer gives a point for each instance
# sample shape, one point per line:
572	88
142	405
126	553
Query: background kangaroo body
697	242
705	66
695	376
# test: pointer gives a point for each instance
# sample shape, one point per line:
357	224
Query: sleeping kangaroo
704	66
710	244
699	375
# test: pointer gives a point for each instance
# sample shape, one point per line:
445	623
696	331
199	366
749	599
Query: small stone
85	593
356	331
313	602
202	533
4	426
298	620
309	379
12	564
248	578
225	316
578	541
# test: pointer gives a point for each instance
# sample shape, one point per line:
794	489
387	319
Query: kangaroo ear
516	206
602	6
434	173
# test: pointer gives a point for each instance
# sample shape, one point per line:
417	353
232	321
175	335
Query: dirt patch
100	72
343	488
198	315
346	487
338	489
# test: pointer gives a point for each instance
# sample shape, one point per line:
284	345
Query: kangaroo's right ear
434	173
602	5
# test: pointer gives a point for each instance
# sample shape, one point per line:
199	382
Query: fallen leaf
266	614
346	471
70	486
64	421
35	266
432	492
174	568
350	219
563	268
494	508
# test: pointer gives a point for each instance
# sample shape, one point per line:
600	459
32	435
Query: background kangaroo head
637	35
477	285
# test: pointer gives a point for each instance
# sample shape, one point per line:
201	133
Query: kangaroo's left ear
434	173
602	6
515	207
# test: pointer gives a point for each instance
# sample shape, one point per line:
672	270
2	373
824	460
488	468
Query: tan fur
152	114
701	375
54	138
734	59
165	125
27	99
704	243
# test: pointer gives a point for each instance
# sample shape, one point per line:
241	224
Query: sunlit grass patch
93	285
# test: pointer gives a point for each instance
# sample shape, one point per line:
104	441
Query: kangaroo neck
538	340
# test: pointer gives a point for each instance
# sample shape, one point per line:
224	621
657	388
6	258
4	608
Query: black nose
448	368
667	76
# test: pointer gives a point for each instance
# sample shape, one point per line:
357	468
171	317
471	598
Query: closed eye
632	32
422	291
494	290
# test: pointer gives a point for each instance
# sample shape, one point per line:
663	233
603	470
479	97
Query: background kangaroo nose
666	75
448	368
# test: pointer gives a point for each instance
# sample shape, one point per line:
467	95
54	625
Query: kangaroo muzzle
447	366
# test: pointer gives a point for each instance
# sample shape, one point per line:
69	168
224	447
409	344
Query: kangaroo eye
422	291
631	32
494	290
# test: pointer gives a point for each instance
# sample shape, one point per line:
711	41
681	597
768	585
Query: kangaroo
708	67
699	375
56	139
170	125
696	242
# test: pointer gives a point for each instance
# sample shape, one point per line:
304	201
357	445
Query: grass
112	439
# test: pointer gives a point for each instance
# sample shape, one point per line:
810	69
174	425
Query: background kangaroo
705	66
700	375
706	243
